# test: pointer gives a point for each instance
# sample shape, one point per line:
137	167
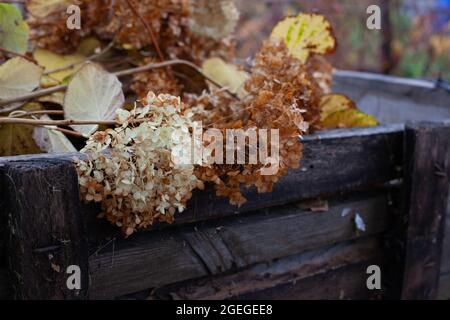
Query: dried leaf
92	94
225	74
18	139
215	19
331	103
350	118
18	76
52	141
43	8
52	61
13	29
306	34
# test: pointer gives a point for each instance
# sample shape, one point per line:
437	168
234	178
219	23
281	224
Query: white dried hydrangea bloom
130	169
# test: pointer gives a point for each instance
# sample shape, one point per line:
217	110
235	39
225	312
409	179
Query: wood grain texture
5	285
444	287
46	232
158	258
445	263
427	165
267	275
346	283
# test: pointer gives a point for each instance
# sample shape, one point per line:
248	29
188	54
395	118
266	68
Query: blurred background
414	41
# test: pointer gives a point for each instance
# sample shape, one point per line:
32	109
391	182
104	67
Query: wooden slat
5	285
346	283
46	232
283	271
156	259
444	287
427	171
445	263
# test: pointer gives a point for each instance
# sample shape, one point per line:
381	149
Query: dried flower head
130	169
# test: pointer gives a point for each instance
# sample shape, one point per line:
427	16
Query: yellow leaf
18	139
88	46
225	74
51	61
43	8
349	118
18	76
331	103
306	34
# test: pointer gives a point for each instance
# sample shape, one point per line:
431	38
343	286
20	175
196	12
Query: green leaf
13	29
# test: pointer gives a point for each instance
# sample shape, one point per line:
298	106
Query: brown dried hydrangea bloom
51	32
138	183
283	95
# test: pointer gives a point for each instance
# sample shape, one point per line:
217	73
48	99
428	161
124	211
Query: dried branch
66	122
87	59
47	91
17	54
148	27
22	113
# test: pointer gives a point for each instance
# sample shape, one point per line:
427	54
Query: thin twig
90	58
32	95
22	113
66	122
148	27
68	132
17	54
47	91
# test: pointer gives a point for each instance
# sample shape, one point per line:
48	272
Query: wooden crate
395	177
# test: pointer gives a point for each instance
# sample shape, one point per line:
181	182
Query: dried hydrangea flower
130	169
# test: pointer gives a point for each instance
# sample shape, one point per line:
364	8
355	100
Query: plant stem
17	54
21	114
66	122
47	91
93	57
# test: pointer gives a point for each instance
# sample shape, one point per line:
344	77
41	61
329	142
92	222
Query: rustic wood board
157	258
46	232
426	184
444	287
341	284
267	275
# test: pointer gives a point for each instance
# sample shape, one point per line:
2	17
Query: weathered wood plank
155	259
346	283
445	263
395	100
427	164
444	287
46	232
5	285
268	275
